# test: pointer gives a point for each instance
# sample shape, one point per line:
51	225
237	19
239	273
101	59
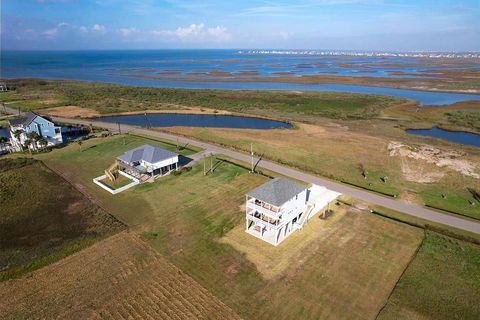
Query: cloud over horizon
317	24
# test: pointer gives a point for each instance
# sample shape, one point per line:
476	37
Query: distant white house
32	122
148	160
279	207
3	87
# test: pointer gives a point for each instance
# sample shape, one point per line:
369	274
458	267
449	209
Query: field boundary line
90	197
414	256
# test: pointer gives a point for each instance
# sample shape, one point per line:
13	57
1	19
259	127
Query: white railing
258	220
98	182
252	205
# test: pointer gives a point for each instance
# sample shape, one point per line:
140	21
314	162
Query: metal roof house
277	208
32	122
148	160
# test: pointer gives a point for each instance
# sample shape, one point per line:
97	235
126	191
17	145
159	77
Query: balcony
263	208
269	225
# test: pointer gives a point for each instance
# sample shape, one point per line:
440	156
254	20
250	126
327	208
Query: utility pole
204	159
211	162
119	129
251	153
147	123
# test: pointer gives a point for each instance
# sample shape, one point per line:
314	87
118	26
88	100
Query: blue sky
304	24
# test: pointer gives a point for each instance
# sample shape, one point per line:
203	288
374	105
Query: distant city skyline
305	24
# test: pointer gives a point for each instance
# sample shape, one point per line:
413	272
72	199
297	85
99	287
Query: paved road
413	210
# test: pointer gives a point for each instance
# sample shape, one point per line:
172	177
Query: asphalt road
413	210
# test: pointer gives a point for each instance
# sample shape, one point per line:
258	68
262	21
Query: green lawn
443	282
43	218
461	201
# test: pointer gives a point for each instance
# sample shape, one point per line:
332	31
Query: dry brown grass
337	150
347	273
71	112
272	261
118	278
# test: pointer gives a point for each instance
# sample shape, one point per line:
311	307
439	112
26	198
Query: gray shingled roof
147	153
24	120
277	191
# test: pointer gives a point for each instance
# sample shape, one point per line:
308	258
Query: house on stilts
274	210
147	162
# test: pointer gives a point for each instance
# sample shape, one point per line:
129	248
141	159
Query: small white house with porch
149	161
274	210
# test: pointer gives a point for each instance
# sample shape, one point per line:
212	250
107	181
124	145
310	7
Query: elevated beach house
279	207
22	127
149	161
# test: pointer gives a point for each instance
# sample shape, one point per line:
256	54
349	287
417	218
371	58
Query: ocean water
122	67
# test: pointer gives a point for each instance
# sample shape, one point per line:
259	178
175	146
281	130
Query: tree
43	142
17	134
27	143
33	137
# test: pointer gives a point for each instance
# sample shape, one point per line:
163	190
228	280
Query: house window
57	130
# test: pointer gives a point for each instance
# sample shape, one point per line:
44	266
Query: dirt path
118	278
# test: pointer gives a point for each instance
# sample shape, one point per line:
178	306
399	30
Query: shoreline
392	83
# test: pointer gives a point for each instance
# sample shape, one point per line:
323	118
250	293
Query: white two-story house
279	207
32	122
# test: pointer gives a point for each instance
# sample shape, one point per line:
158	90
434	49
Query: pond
196	120
461	137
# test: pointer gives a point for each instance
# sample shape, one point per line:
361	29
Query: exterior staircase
300	223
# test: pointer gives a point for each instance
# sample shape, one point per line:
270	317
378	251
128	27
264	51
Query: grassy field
118	278
336	153
189	219
108	98
43	218
442	282
464	116
326	141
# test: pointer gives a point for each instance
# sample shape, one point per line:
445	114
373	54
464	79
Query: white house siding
160	164
289	214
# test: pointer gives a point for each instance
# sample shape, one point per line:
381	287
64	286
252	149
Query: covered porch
263	227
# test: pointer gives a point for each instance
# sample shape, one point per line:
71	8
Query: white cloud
53	32
195	32
127	31
285	35
82	29
219	33
98	28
